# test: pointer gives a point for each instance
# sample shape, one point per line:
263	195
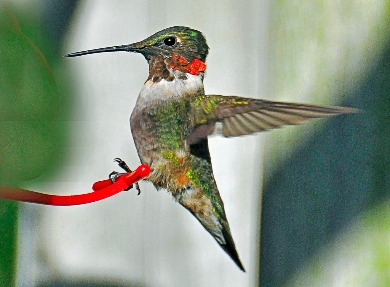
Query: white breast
166	89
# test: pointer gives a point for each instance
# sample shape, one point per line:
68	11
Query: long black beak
136	48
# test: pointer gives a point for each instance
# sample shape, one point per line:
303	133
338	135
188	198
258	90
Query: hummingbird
173	118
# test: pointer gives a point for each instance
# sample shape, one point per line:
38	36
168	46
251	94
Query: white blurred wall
150	239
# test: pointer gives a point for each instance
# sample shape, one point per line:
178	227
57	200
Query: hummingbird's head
177	40
178	46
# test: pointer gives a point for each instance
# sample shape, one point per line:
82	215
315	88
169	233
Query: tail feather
202	199
230	248
217	225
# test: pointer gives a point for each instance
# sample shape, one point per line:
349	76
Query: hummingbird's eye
170	41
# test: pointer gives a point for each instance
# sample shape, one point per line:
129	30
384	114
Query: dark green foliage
31	133
8	229
29	102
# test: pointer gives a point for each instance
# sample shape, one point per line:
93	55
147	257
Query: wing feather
243	116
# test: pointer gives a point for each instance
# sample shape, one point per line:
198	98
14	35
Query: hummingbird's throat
178	62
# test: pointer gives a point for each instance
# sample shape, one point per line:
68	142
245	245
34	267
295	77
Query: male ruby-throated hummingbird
173	117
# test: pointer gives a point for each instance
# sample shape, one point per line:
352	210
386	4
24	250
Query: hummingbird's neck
162	68
171	77
180	63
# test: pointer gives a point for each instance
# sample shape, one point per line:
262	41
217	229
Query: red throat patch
180	63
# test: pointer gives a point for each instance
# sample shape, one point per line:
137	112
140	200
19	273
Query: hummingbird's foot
122	164
114	176
137	188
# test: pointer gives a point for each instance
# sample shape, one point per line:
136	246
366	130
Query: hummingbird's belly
166	153
171	173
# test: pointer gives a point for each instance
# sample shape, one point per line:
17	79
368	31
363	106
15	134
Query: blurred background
308	205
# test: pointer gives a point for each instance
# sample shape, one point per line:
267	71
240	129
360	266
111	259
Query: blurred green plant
8	223
325	215
32	136
28	104
320	51
357	257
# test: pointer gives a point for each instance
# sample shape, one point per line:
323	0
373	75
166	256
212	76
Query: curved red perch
102	189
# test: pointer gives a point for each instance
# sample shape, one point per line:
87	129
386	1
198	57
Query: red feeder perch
102	189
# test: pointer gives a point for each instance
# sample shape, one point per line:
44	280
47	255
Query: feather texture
243	116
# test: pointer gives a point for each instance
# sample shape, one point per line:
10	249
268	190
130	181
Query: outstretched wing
235	116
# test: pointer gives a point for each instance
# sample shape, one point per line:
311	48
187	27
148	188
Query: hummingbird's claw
113	176
137	188
122	164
